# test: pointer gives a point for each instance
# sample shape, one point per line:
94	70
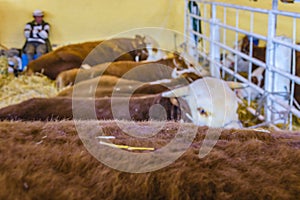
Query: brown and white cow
92	53
140	71
64	58
107	86
60	108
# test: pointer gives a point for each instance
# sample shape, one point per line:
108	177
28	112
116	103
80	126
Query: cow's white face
211	102
230	60
242	65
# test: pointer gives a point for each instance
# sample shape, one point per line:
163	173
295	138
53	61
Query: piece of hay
3	66
14	90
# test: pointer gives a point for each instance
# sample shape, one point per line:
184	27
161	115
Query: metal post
214	49
269	75
283	57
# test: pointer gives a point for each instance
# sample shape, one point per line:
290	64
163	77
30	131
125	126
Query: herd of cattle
136	69
122	69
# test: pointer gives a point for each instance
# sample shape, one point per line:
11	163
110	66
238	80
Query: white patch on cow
178	73
155	55
117	89
244	93
229	60
174	73
193	65
85	66
189	70
160	81
258	73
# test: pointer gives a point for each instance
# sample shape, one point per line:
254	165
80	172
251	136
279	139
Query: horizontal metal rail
238	7
228	27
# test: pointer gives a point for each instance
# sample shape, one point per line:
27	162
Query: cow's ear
138	37
178	92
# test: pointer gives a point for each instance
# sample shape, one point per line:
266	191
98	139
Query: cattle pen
220	36
152	99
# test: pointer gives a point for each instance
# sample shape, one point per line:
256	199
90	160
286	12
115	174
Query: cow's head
140	51
184	66
211	102
181	61
229	60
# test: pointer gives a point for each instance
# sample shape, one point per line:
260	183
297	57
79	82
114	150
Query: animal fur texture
47	160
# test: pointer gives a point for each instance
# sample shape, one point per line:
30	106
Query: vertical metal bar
250	53
237	42
270	60
224	37
204	31
281	86
214	49
293	73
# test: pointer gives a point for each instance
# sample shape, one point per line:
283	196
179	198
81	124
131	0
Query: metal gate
220	36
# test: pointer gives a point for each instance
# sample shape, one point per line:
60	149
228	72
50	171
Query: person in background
37	36
195	24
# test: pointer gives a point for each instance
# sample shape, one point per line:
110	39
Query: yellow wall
77	20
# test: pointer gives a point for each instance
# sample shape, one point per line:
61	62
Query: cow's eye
202	112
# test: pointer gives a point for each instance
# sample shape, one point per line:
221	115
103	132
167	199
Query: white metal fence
220	33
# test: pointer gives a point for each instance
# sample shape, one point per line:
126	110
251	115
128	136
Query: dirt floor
47	160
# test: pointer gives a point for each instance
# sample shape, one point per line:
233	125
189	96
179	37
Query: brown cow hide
107	86
48	160
140	71
61	108
117	49
64	58
91	53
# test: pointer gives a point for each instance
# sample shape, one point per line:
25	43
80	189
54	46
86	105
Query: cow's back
64	58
